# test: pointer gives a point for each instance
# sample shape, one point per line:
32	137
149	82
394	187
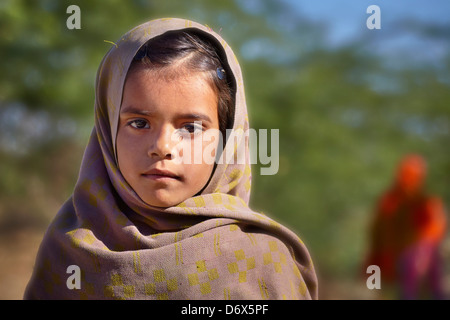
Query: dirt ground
17	254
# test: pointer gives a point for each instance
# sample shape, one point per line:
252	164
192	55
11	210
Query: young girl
141	225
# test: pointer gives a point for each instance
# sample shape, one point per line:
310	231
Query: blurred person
140	225
406	234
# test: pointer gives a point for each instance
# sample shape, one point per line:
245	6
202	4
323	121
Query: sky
400	38
347	18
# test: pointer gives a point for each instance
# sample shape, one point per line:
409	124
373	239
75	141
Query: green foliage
341	139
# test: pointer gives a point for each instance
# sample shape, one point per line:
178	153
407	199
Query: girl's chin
162	202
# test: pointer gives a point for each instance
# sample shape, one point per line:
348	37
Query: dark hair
194	52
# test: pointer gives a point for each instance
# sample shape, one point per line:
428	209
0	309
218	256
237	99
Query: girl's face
157	115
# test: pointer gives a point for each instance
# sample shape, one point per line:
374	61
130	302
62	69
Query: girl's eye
195	128
139	124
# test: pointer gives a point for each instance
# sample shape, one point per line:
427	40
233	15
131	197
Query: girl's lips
156	174
156	177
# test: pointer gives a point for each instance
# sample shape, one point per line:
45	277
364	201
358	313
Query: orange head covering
411	174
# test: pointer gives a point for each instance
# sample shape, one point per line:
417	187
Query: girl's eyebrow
196	116
133	110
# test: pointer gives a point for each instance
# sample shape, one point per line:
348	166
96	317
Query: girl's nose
162	144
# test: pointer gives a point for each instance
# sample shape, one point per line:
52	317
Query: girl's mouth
157	174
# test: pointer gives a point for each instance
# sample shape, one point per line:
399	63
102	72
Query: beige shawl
106	243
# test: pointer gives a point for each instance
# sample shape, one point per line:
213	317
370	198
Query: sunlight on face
153	111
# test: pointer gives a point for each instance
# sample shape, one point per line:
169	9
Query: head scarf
210	246
411	174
